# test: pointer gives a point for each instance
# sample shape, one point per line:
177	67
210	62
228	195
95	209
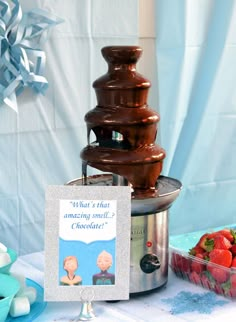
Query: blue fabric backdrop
196	56
41	145
194	83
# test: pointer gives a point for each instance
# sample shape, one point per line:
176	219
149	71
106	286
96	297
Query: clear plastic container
197	270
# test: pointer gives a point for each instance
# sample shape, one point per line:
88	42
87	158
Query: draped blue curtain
41	145
195	78
196	59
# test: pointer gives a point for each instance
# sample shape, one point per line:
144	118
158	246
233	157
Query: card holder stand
86	312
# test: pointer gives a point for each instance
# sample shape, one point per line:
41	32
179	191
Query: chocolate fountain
125	128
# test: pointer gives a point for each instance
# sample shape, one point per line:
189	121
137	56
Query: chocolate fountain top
121	54
124	125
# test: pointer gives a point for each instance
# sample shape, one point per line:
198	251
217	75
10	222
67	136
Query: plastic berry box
199	271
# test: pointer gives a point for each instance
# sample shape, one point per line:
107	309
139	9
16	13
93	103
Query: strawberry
205	281
232	292
216	240
195	278
218	289
212	235
202	241
233	280
206	256
174	261
221	257
233	249
180	263
196	265
196	250
233	233
233	264
227	233
220	275
220	242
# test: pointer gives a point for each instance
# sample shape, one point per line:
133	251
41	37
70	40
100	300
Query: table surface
178	301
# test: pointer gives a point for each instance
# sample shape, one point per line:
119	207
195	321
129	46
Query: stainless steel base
149	232
149	252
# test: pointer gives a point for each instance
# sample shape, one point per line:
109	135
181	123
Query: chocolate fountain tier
137	125
168	190
108	155
121	85
140	167
124	125
120	55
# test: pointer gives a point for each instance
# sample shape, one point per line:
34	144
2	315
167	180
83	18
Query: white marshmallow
19	306
3	248
20	278
30	292
5	259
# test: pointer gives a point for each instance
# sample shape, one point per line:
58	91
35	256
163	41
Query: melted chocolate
122	108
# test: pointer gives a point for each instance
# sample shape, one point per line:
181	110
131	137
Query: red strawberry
202	241
180	262
221	257
220	242
195	278
196	265
232	292
205	281
233	280
218	289
212	235
206	255
233	233
197	250
174	261
221	275
233	249
233	264
227	233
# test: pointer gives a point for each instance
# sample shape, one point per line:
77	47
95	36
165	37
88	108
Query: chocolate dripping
124	125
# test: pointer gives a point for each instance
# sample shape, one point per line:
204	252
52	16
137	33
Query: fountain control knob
149	263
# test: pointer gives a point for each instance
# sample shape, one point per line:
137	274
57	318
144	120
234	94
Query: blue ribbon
22	62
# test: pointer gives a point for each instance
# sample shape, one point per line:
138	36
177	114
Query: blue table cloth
178	301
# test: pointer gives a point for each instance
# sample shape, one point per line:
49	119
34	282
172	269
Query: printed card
87	243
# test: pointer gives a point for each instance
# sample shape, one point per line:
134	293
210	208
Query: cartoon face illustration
70	264
104	261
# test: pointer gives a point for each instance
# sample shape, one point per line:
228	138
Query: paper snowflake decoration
22	62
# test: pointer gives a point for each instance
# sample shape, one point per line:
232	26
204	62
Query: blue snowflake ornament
185	302
22	62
